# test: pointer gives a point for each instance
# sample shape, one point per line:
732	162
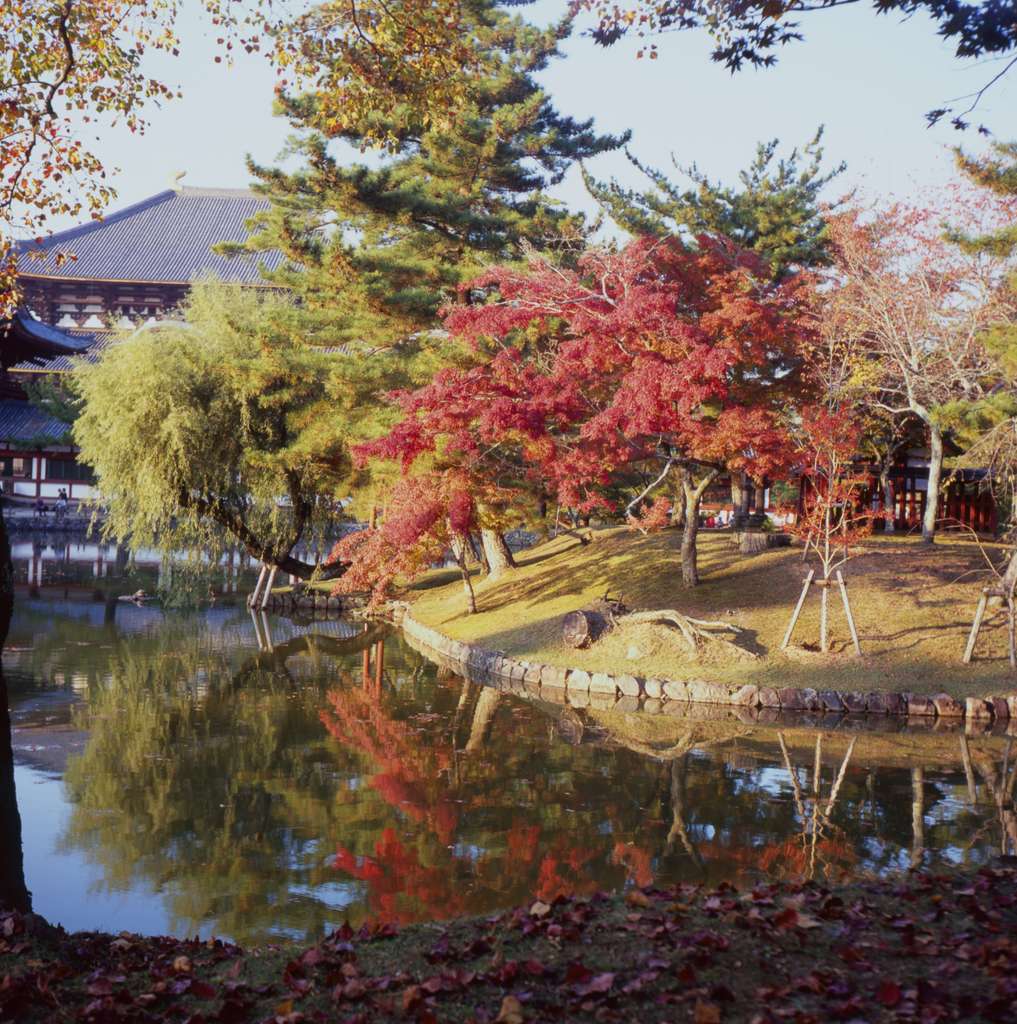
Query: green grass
913	605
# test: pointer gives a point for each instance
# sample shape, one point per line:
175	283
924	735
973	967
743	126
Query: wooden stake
976	626
253	599
848	614
268	588
798	609
824	631
1010	632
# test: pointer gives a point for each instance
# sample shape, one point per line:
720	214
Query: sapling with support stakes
833	518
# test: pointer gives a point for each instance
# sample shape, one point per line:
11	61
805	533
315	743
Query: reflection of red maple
410	776
637	861
413	778
401	889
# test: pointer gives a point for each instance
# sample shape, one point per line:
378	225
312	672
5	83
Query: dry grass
913	605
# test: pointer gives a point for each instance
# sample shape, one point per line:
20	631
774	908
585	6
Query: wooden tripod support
1011	628
824	586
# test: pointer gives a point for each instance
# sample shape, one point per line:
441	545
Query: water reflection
205	777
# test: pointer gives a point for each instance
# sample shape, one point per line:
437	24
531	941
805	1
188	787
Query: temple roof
29	341
21	421
166	238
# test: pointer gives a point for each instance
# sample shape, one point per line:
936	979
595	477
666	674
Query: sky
869	79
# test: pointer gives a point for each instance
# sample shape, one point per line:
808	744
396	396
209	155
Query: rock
746	696
578	681
552	694
532	674
877	704
830	700
627	705
675	689
701	692
947	706
896	704
518	671
791	699
654	688
1000	708
601	682
853	702
811	699
628	686
975	707
919	704
1011	703
769	697
602	701
577	698
748	715
551	675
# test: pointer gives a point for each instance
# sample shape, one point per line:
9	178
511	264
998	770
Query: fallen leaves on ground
923	948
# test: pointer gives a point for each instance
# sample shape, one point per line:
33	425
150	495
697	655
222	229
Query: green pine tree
377	246
775	210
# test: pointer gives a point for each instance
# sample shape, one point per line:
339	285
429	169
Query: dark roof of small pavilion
21	421
165	239
29	341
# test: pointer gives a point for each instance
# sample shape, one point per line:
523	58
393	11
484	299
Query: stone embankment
748	702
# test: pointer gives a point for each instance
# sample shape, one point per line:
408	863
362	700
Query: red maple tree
660	356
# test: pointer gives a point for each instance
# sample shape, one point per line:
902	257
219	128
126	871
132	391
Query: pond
203	773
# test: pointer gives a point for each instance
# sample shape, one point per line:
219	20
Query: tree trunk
471	597
14	893
499	557
693	498
932	494
690	562
678	514
888	504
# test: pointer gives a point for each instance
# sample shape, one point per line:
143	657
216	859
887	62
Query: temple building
84	286
137	264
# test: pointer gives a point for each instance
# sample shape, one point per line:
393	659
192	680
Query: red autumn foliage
425	517
652	517
657	354
833	517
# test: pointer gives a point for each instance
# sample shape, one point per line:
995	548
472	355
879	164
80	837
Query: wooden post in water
379	665
268	588
252	601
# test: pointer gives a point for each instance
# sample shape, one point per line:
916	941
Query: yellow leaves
511	1011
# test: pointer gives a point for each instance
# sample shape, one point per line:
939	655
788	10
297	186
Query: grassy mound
917	948
913	606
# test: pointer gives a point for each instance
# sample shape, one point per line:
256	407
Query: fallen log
587	625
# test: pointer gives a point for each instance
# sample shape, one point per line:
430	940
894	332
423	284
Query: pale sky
869	79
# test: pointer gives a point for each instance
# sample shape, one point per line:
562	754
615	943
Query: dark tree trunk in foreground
499	555
14	893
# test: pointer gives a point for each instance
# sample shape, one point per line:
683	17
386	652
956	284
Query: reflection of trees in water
422	797
212	784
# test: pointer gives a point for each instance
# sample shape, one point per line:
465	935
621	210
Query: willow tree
217	431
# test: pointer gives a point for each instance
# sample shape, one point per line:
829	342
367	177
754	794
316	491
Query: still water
175	775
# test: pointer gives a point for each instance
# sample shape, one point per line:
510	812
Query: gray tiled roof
166	238
88	345
22	421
